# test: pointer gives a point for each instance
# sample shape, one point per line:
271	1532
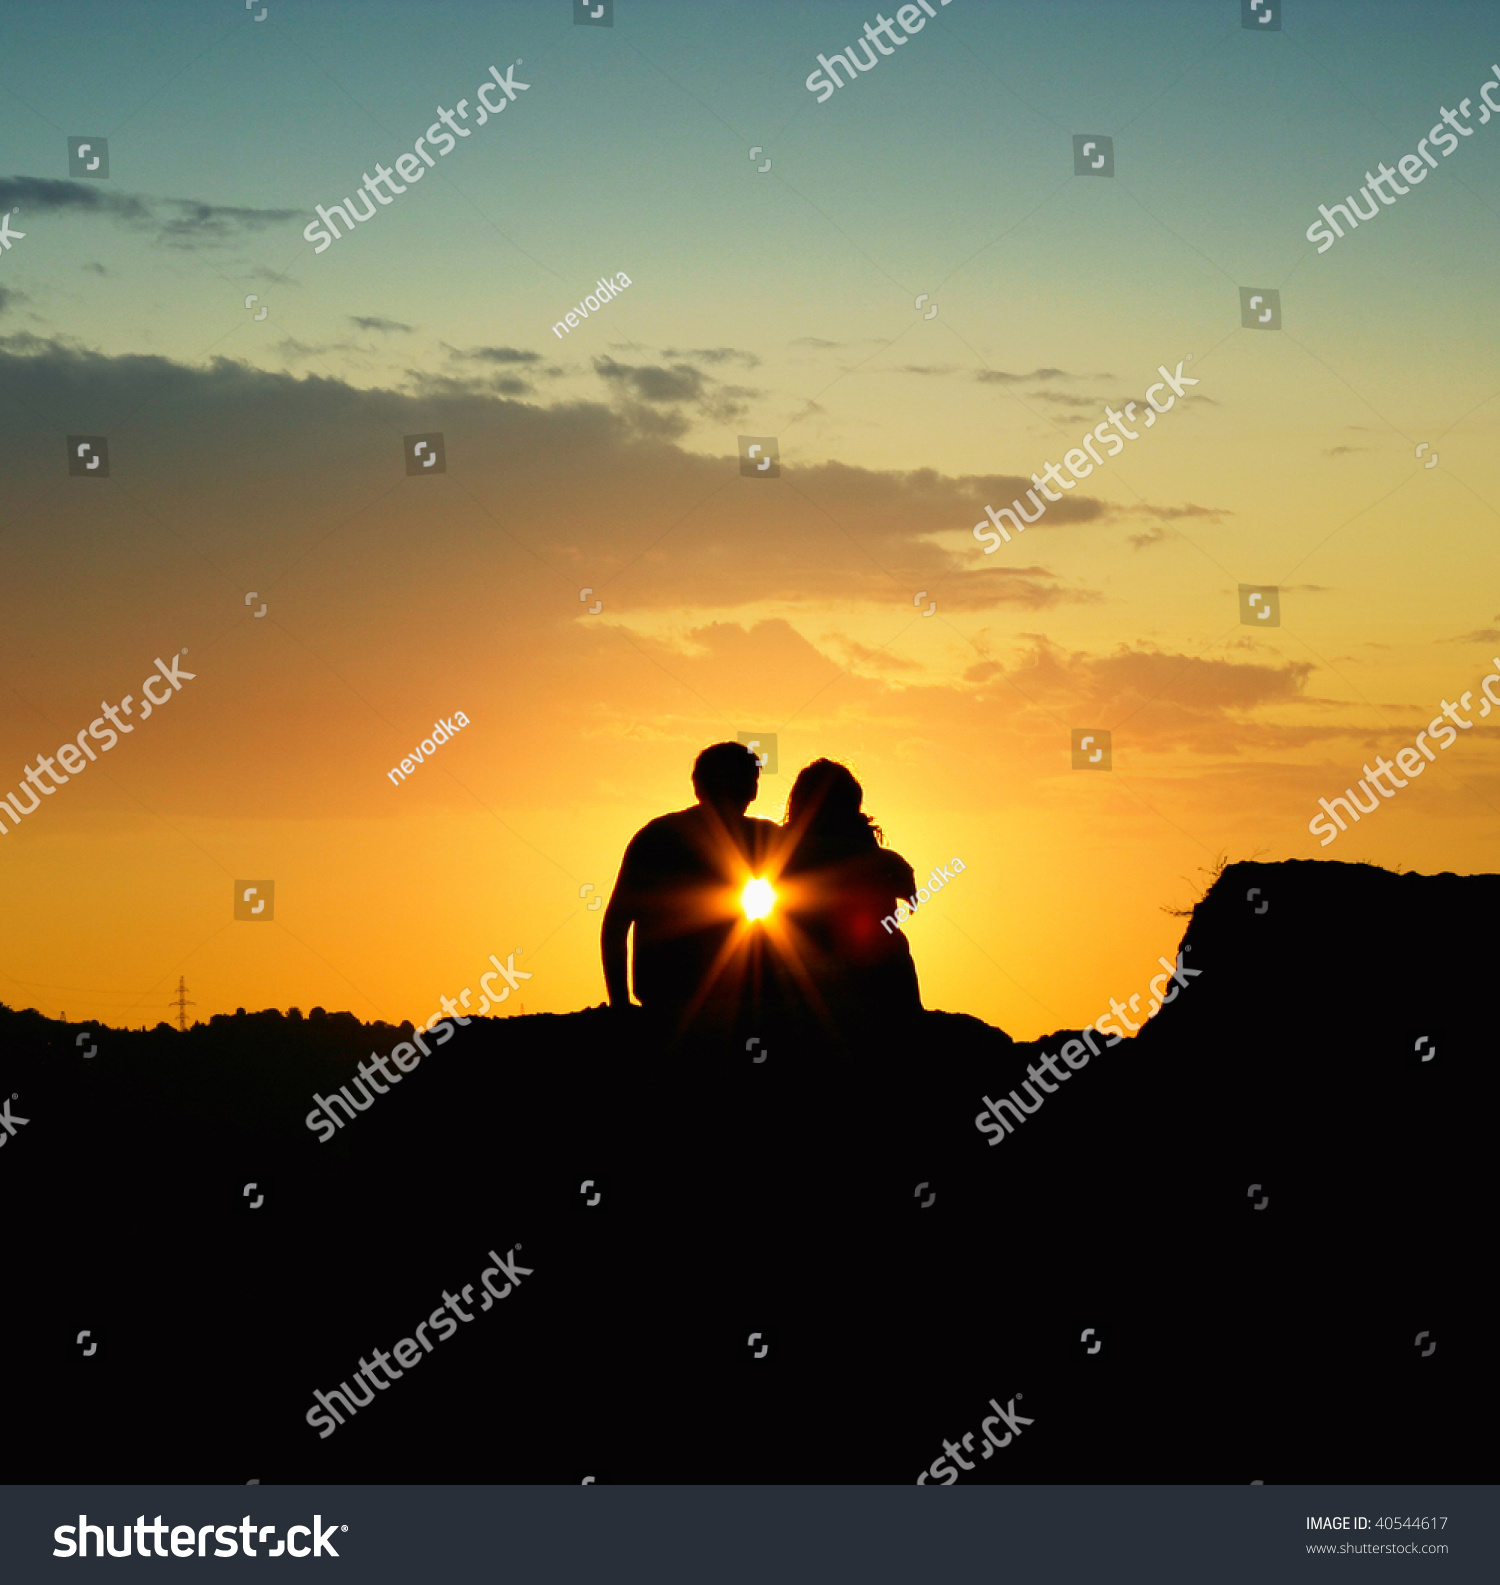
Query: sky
843	605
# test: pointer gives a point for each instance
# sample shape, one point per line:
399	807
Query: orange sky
266	457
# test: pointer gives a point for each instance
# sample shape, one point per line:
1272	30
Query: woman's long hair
824	803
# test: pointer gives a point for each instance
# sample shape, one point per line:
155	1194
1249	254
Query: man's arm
618	918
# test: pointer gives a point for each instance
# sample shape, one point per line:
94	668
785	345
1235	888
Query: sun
757	899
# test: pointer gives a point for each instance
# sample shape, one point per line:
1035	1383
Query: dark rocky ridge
779	1198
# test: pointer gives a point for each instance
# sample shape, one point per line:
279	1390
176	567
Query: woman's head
826	798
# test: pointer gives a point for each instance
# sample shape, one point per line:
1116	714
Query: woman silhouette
845	967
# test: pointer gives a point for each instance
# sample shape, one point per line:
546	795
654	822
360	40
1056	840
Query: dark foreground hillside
1104	1272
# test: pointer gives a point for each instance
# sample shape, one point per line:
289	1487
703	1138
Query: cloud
1147	674
176	222
196	222
715	355
542	499
94	269
292	349
681	384
925	368
1152	536
1172	513
1075	404
728	601
1345	451
1000	377
59	197
494	354
426	385
1158	699
374	322
652	383
26	344
9	295
676	529
867	656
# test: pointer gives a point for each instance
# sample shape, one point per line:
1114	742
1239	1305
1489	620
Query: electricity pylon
182	1003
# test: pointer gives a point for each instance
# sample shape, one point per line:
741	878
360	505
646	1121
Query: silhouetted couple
805	952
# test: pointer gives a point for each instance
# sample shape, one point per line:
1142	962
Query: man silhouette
679	886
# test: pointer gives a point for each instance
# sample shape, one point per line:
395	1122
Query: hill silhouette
900	1270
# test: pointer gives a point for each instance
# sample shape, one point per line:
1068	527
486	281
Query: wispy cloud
714	355
678	385
1168	514
1000	377
493	354
1074	404
425	385
294	351
175	222
384	326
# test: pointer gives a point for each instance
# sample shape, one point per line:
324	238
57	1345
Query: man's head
726	776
